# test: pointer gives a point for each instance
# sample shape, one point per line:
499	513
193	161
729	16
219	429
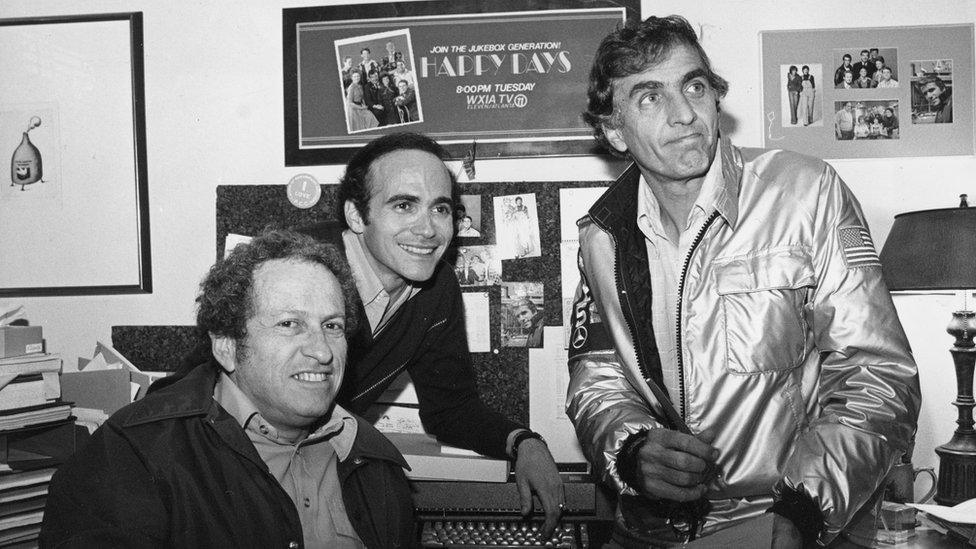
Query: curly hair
226	299
355	184
632	49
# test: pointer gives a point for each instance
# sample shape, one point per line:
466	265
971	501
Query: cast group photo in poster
378	89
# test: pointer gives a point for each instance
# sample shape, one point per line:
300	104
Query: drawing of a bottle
25	165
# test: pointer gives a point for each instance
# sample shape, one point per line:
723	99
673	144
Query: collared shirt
305	469
664	261
379	305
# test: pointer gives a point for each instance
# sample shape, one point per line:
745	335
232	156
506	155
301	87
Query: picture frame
509	75
876	92
74	212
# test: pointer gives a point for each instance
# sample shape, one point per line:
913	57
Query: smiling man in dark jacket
249	449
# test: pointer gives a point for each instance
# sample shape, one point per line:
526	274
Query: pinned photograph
517	226
522	320
467	216
379	86
802	99
855	120
932	91
867	68
478	266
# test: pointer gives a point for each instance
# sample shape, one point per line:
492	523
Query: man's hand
676	466
785	534
535	471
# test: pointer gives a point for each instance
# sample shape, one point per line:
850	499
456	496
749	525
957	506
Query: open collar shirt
380	306
664	261
306	469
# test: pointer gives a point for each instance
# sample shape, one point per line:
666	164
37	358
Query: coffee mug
900	487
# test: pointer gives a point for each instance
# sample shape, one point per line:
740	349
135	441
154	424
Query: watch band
522	437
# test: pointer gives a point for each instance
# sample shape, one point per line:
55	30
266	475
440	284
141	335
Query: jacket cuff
801	510
627	462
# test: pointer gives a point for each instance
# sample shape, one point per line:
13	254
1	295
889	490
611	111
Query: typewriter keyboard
501	533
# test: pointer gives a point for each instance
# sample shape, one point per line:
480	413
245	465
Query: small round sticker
304	191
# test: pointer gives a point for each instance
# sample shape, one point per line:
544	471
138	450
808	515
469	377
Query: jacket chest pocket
761	310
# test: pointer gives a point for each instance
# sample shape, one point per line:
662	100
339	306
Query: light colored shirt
890	83
844	120
664	261
306	469
380	306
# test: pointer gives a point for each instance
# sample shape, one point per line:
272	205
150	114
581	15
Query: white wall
214	116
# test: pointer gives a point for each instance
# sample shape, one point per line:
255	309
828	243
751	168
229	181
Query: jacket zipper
681	289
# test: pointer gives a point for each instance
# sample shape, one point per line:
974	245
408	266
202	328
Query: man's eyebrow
693	74
656	84
403	198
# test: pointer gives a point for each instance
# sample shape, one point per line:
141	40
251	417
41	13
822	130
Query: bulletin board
911	54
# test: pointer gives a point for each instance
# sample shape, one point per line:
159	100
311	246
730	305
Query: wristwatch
522	437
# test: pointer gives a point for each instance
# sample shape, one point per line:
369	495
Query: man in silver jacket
734	349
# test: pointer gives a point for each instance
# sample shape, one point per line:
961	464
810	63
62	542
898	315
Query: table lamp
936	250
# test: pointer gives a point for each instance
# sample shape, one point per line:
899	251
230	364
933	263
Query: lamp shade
931	250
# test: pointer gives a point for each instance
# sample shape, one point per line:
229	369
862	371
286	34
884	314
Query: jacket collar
617	208
192	395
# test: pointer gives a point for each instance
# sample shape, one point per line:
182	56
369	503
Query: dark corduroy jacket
176	470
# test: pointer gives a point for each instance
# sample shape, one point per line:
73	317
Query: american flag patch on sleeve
858	247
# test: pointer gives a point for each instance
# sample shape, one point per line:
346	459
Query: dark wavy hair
355	184
631	49
226	299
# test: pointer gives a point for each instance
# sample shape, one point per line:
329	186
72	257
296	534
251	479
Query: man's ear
353	218
614	138
224	349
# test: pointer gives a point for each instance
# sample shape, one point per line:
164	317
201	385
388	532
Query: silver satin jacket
790	346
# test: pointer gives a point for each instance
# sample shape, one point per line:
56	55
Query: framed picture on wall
513	78
869	92
74	207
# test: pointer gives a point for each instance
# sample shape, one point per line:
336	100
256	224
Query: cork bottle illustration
25	165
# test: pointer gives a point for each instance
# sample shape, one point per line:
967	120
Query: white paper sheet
548	380
477	321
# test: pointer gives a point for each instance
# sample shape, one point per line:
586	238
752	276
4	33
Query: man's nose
318	347
424	225
680	111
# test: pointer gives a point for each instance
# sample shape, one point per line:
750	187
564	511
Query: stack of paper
22	499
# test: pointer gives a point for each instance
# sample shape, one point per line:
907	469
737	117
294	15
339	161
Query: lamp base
957	474
957	458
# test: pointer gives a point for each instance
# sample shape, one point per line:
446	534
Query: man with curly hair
735	350
250	448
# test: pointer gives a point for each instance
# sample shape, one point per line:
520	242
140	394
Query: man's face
886	73
410	219
402	86
848	77
365	55
933	94
525	316
291	362
465	222
667	117
847	60
848	107
864	57
374	78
